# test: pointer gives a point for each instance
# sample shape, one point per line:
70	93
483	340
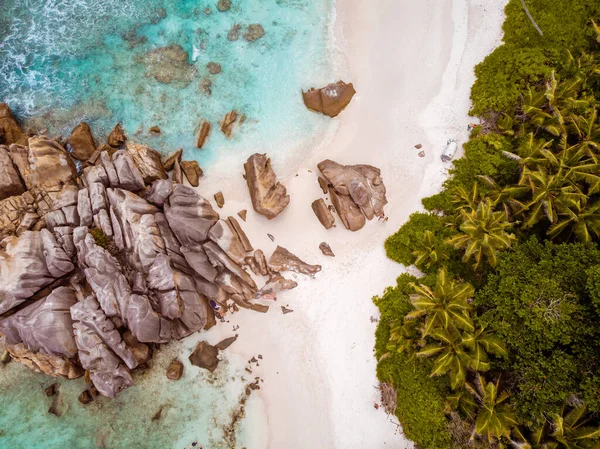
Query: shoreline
406	61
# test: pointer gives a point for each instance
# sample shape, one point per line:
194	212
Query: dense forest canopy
498	343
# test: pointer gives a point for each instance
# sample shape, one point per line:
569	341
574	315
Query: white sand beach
411	62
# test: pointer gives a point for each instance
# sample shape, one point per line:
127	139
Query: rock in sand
269	197
323	213
219	199
175	370
192	172
283	260
329	100
326	249
205	356
224	344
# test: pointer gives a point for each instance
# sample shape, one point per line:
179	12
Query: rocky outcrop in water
357	192
269	197
99	266
329	100
169	65
82	142
10	131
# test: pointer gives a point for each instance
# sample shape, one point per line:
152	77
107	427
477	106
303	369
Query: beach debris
283	260
329	100
224	5
117	136
214	68
271	237
170	160
269	197
154	130
192	172
389	398
51	390
224	344
285	310
254	32
326	249
175	370
418	146
242	214
205	356
450	150
220	199
357	192
228	123
10	131
82	142
203	134
234	32
169	65
324	186
323	214
421	153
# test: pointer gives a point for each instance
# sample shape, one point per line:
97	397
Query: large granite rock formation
329	100
118	250
357	192
269	197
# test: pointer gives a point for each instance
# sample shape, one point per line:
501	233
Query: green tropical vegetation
497	343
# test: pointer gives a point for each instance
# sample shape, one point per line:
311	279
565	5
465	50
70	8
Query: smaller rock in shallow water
326	249
203	134
175	370
169	162
51	390
154	130
85	397
205	356
82	142
234	33
228	123
192	172
117	136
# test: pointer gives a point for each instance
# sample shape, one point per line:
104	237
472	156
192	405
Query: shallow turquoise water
62	61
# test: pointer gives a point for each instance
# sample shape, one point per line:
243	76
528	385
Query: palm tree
564	431
483	233
447	306
430	254
495	418
481	343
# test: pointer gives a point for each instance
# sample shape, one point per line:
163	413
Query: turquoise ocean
63	61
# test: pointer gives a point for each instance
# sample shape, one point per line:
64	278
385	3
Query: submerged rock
283	260
224	5
169	65
329	100
205	356
234	32
214	68
255	32
269	197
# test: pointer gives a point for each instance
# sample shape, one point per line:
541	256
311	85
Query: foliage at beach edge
497	344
